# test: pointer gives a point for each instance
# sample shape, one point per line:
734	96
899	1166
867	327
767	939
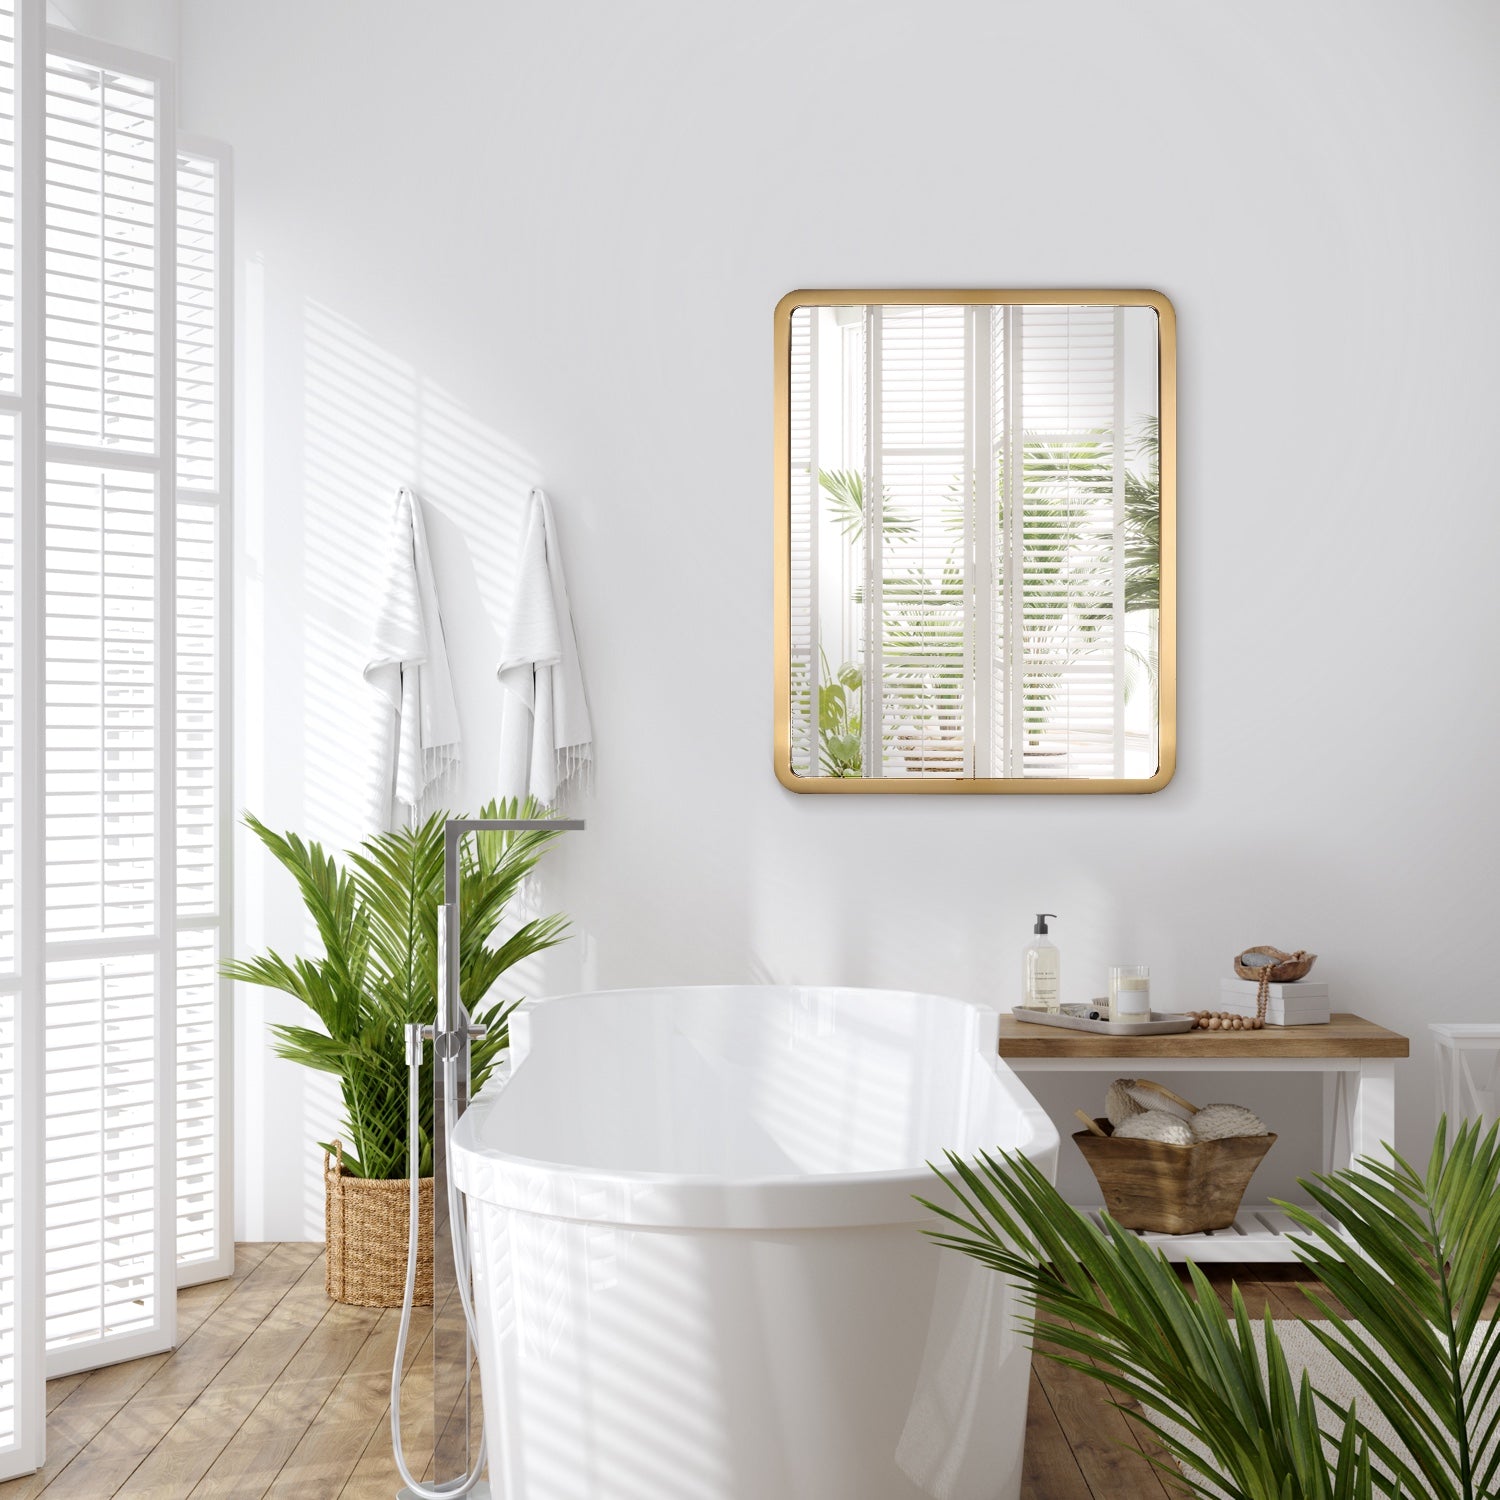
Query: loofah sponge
1155	1125
1218	1122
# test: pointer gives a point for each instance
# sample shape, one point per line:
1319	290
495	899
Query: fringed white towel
409	668
545	735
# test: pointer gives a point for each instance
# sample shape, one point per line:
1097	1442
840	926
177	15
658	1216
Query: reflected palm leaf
845	489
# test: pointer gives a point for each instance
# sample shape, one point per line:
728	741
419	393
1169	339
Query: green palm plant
1411	1256
376	917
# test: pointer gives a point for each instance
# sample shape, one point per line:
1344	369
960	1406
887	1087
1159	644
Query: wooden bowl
1285	968
1166	1189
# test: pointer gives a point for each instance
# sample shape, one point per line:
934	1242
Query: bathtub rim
668	1200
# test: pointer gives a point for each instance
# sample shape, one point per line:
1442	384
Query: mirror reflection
974	568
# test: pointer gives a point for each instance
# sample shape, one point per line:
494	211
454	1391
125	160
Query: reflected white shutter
1063	414
109	855
916	504
205	1248
803	541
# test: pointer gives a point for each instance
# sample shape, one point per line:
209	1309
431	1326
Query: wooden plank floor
275	1391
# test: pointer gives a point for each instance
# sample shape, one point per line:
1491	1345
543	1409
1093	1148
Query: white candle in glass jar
1129	992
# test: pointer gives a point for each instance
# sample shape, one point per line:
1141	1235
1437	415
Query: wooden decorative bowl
1173	1189
1285	968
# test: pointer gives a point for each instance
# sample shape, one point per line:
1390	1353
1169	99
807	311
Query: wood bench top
1345	1035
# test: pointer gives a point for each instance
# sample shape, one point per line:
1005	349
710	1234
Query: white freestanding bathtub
699	1269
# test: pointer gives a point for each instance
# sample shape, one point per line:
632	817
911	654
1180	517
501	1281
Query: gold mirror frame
1167	617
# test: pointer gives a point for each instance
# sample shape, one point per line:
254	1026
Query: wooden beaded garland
1225	1020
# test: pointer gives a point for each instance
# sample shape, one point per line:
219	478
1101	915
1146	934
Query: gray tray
1163	1024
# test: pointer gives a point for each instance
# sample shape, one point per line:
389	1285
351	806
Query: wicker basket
368	1222
1173	1189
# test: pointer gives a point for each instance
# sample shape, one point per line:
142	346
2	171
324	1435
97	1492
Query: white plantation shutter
109	688
21	1412
205	1247
977	531
90	954
22	1408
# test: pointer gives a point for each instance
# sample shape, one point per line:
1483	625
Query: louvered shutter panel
109	686
21	1412
204	1245
22	1403
1063	415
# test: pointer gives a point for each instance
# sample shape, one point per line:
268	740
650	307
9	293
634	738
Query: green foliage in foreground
1411	1255
376	917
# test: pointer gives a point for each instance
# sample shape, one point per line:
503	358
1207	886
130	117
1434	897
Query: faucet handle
417	1036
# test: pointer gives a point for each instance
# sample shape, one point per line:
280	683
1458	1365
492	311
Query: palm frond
845	489
1111	1307
1412	1256
1409	1256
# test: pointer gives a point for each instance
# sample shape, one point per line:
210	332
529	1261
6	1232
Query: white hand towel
545	735
409	668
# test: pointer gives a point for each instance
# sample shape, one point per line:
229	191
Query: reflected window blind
1063	417
917	500
804	645
108	692
204	1245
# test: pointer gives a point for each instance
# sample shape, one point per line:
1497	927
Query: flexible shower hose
460	1265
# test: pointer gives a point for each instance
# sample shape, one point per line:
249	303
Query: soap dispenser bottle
1043	969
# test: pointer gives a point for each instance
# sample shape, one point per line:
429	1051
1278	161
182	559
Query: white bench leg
1338	1120
1373	1122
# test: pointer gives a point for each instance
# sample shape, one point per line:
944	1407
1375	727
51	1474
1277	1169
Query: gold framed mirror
931	636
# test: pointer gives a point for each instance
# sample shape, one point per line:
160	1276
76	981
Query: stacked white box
1302	1003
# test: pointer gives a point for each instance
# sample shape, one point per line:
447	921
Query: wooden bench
1356	1057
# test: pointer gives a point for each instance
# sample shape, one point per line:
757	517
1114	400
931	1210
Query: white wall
148	26
481	243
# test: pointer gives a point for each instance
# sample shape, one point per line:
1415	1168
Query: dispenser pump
1041	920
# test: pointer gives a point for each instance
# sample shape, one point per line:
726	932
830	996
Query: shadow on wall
373	423
370	422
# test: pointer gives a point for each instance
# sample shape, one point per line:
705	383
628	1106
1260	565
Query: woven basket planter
1165	1189
367	1225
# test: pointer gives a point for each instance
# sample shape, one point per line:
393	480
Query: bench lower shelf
1258	1234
